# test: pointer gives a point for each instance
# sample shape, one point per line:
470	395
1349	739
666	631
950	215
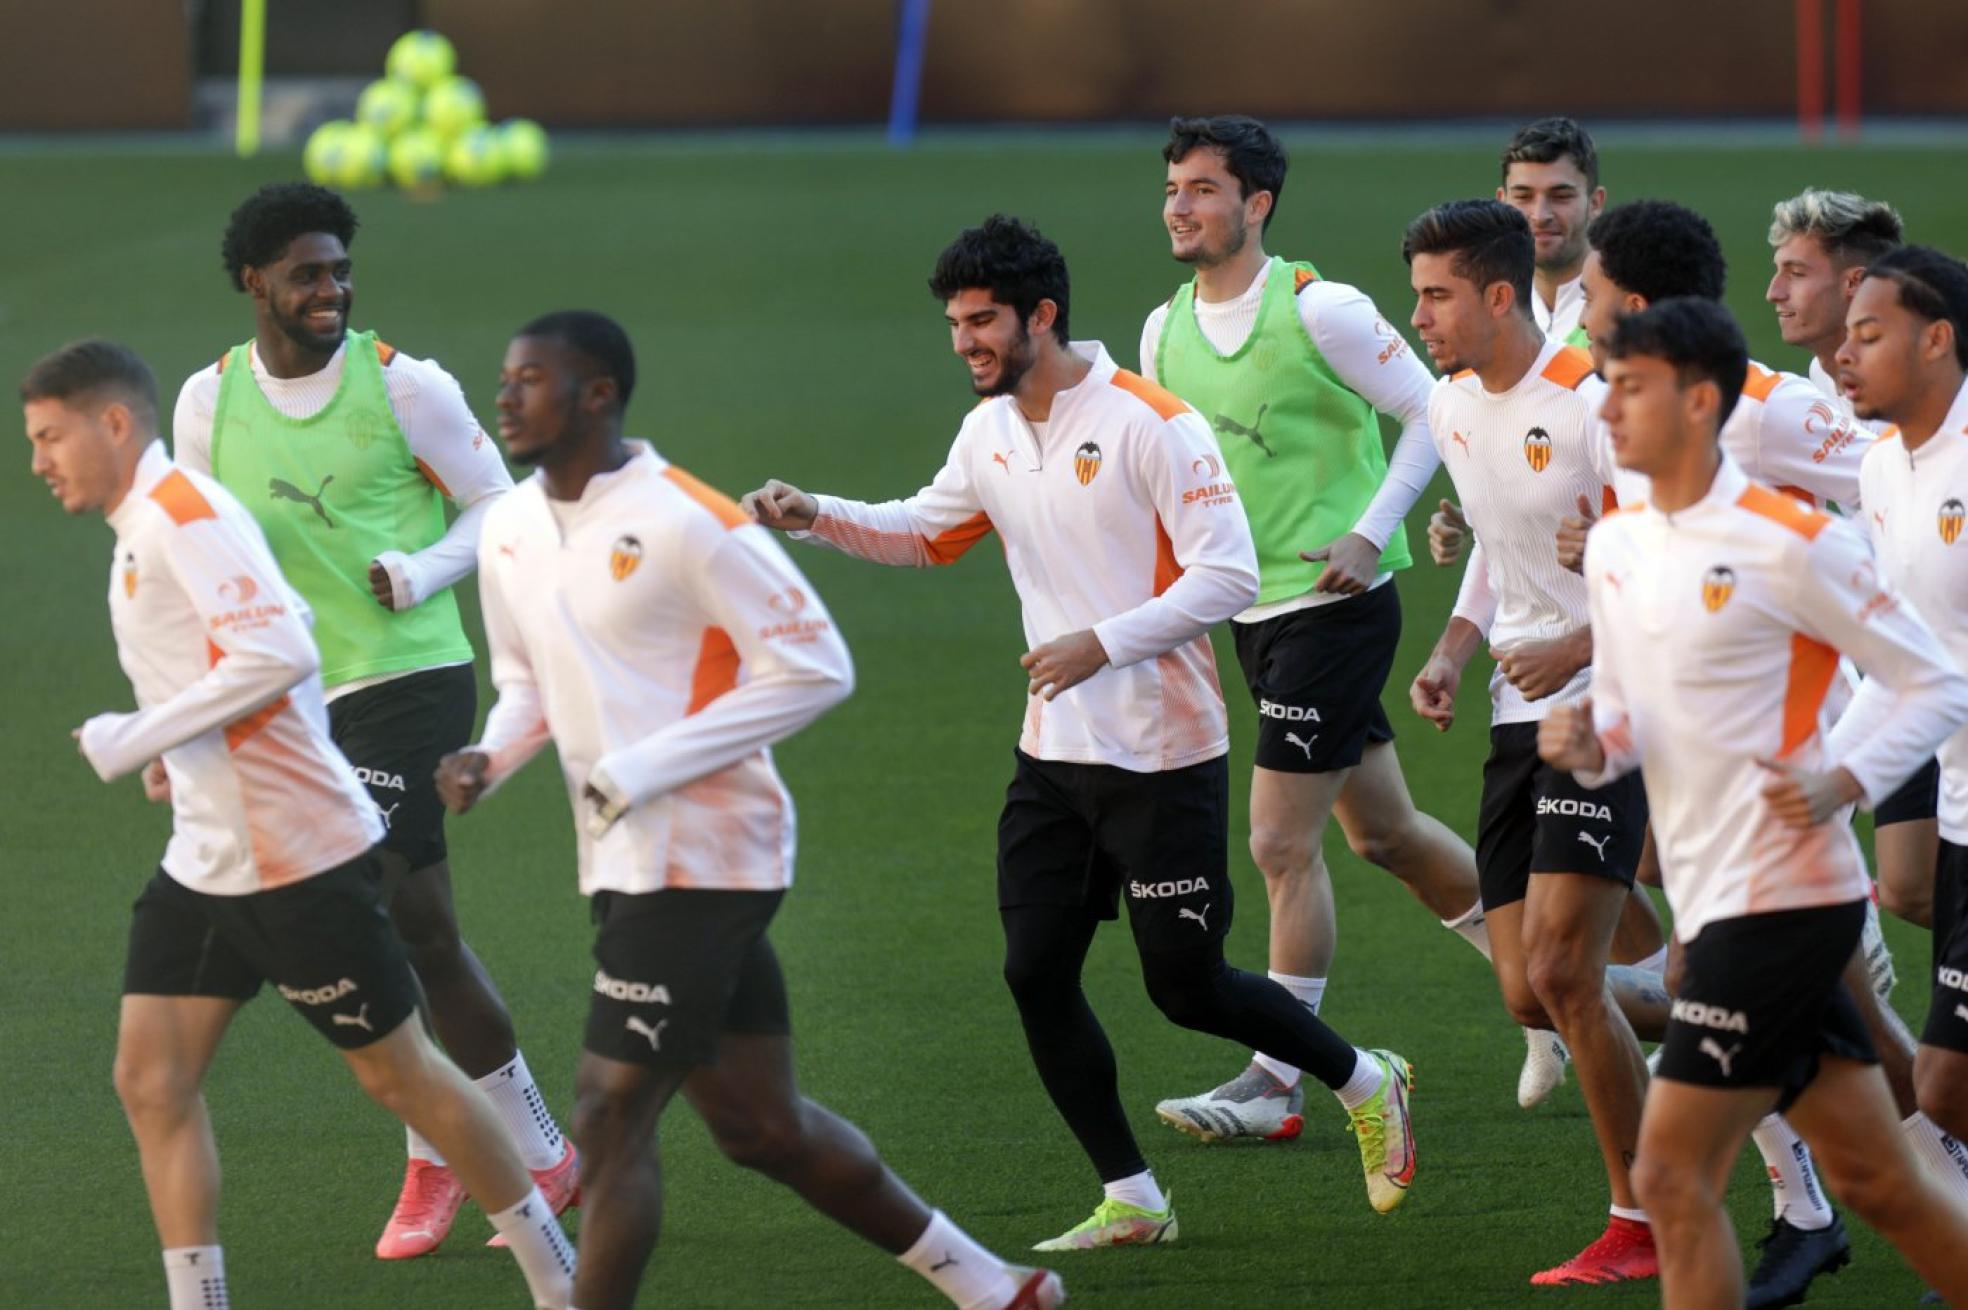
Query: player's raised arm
934	526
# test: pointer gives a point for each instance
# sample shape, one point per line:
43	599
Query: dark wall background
662	62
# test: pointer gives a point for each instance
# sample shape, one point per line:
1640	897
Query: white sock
1308	992
419	1148
1656	964
1945	1157
1473	927
1794	1187
1632	1214
195	1276
545	1256
1368	1077
962	1270
1138	1189
524	1110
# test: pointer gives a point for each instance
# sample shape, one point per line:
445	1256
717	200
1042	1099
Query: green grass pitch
775	295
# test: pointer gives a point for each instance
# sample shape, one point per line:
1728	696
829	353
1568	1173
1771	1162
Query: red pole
1849	66
1810	69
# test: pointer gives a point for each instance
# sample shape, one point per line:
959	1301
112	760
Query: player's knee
1284	853
771	1142
152	1089
1037	982
1561	984
1867	1182
1185	991
1668	1187
1941	1094
1902	901
1382	847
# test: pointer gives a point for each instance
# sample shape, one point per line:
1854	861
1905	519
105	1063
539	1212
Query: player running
1289	368
271	873
1720	611
1556	861
345	449
1125	541
663	642
1551	177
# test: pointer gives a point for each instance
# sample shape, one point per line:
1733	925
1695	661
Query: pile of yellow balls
422	125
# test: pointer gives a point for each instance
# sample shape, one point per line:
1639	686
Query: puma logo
360	1019
1227	424
944	1263
1596	843
655	1035
998	458
1713	1049
282	489
1460	440
389	815
1302	744
1200	916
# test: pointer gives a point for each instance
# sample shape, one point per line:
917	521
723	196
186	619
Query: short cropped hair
1697	336
1253	155
1658	249
1490	242
1933	285
1852	229
595	337
267	222
1010	259
95	370
1549	140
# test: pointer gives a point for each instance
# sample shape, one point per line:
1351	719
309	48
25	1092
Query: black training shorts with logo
1919	797
1316	676
678	968
1947	1013
394	733
1537	819
325	943
1763	997
1086	836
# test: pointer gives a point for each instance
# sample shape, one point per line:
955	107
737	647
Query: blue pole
912	35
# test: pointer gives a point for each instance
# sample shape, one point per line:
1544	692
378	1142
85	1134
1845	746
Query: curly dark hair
267	222
1658	249
1011	260
1933	285
1490	242
1694	334
1253	155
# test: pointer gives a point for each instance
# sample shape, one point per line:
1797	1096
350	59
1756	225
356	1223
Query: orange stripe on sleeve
949	545
1167	569
385	352
716	671
185	503
430	476
1302	279
721	506
1778	508
1760	382
1568	368
240	731
1812	667
1608	502
1166	404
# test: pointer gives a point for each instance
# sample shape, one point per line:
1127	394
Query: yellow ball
453	105
475	158
321	158
416	158
387	105
421	58
524	143
363	157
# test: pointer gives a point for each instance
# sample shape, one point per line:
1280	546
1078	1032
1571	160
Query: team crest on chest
1950	519
130	577
1718	584
1537	449
1086	462
624	557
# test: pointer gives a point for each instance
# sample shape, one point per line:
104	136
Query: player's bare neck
1517	348
1232	277
568	476
283	357
1687	476
1929	410
1057	369
1546	281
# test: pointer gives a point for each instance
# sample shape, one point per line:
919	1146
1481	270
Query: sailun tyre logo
1206	467
790	601
1086	462
1718	584
1537	449
239	590
624	557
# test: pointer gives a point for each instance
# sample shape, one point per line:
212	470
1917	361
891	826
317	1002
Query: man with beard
1290	368
1126	543
345	449
1551	177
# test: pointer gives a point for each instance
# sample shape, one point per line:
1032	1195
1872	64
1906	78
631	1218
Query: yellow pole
252	65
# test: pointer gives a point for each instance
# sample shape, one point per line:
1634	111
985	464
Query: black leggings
1196	988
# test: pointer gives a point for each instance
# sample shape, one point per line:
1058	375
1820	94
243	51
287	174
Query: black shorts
677	969
1919	797
1316	675
1082	836
394	734
1537	819
325	943
1762	997
1947	1013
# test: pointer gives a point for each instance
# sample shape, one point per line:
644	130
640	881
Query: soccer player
663	642
1290	368
1720	610
1125	541
1905	360
271	873
345	449
1551	177
1556	861
1821	242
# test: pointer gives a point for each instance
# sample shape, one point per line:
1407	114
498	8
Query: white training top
1916	504
444	437
664	641
1520	459
227	682
1718	631
1561	319
1371	358
1122	520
